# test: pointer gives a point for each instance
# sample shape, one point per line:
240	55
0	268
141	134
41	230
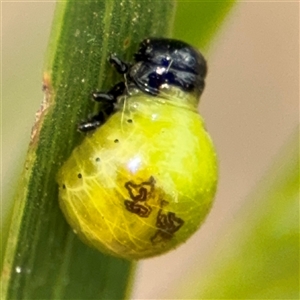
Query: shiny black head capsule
162	61
158	63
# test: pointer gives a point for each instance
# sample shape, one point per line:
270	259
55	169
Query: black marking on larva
63	186
79	175
116	141
167	224
141	210
97	159
129	121
139	195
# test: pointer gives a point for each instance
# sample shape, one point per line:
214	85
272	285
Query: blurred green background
250	105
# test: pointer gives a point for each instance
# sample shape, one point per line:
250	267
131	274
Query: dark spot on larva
79	175
139	195
167	224
97	159
63	186
129	120
116	141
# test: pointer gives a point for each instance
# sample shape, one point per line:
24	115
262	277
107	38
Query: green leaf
44	259
258	256
197	22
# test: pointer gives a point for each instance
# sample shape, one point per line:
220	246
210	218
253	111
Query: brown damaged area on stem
44	108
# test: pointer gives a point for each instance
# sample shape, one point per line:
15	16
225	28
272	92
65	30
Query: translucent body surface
143	182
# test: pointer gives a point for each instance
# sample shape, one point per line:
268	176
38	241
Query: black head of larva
158	62
162	61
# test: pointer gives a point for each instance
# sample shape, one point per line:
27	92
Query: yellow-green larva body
143	182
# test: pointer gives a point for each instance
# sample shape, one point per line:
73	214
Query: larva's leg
97	120
112	95
108	99
120	66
